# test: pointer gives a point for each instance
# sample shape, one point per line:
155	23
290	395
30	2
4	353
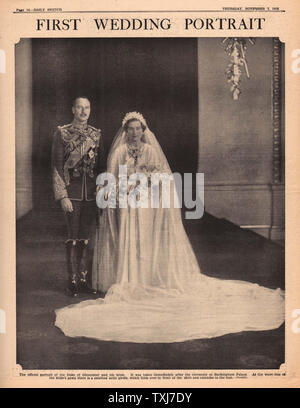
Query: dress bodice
139	160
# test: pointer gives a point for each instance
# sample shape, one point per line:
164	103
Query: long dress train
155	290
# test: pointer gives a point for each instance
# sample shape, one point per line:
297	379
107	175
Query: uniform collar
79	125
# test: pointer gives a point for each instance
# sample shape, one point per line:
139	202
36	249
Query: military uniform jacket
77	159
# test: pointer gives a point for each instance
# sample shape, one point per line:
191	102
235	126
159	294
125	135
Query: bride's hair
133	120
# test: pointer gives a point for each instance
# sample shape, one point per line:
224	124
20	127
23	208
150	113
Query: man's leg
87	221
72	246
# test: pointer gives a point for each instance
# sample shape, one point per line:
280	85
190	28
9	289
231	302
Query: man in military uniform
77	158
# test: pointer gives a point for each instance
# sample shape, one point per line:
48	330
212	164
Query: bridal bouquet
149	169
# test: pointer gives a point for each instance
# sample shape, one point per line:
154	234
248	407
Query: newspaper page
150	195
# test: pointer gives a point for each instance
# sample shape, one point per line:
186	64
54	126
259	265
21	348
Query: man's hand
66	205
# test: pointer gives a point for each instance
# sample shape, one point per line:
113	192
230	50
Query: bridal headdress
134	115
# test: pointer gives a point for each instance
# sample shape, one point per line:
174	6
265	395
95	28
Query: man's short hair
80	97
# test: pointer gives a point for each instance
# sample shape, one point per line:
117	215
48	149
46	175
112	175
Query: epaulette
93	128
65	126
65	133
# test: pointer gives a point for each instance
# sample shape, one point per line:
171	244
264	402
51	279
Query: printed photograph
150	208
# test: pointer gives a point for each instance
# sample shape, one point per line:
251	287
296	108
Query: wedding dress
155	290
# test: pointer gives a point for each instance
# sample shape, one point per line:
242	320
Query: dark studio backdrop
179	85
157	77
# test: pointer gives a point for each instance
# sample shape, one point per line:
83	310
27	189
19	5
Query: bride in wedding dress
144	261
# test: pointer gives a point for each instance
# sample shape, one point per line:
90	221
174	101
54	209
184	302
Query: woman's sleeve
116	159
153	160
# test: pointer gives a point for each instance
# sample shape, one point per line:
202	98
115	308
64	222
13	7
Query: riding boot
83	285
71	246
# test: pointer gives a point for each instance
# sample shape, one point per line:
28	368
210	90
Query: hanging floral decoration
236	49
